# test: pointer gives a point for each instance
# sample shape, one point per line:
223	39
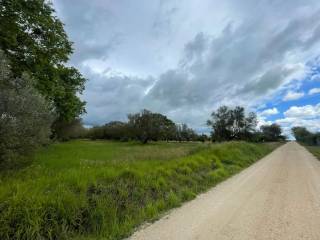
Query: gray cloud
88	25
199	55
113	97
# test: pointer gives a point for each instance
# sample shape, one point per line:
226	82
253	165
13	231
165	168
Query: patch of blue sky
311	81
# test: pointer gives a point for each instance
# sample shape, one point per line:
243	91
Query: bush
25	117
65	131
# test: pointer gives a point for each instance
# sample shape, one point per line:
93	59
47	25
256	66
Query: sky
186	58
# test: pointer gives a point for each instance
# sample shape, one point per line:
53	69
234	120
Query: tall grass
315	150
104	189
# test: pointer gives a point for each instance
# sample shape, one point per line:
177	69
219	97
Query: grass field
103	190
315	150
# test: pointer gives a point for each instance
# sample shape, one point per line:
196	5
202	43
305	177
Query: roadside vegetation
106	189
311	140
306	137
315	150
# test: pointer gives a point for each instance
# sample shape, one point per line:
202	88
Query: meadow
103	189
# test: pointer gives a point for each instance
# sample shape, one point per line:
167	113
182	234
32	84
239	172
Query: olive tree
25	117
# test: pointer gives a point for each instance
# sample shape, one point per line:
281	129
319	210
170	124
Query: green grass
103	190
81	153
315	150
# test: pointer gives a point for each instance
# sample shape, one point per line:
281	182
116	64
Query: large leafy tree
35	42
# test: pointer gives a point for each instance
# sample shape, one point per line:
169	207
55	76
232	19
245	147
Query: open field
105	189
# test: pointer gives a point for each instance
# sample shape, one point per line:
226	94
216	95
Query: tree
147	126
25	117
221	124
272	132
184	133
232	124
249	127
302	135
69	130
238	122
35	43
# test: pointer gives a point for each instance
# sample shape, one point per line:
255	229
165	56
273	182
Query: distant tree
96	132
302	135
35	42
184	133
232	124
221	124
116	130
203	138
272	132
238	122
69	130
147	126
25	117
249	128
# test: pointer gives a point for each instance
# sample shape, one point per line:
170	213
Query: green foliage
90	190
114	130
69	130
272	132
306	137
25	117
35	42
315	150
145	126
232	124
184	133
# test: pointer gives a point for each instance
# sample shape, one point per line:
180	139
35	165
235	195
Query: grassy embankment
103	190
315	150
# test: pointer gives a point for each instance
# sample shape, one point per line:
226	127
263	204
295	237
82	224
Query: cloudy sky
186	58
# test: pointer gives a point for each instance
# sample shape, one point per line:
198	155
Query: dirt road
276	198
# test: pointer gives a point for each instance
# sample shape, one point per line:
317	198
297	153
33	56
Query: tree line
304	136
145	126
227	124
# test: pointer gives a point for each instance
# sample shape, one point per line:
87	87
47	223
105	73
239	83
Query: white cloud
306	116
287	124
262	121
293	96
308	111
314	91
270	111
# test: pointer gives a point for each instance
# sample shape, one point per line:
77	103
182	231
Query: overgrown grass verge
315	150
107	201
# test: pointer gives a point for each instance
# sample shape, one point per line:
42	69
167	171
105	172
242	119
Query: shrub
25	117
